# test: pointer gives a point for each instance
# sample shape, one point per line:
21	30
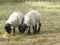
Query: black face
8	27
19	27
23	28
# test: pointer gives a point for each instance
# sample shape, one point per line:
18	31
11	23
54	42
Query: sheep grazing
15	20
32	18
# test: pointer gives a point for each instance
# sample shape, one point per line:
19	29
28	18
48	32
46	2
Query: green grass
3	2
50	30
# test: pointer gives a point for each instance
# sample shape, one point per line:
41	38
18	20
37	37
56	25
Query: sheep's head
8	28
23	28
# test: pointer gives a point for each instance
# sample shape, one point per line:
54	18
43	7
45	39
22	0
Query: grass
50	30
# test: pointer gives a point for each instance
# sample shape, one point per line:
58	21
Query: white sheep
31	19
15	20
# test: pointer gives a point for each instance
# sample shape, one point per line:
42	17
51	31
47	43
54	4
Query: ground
50	19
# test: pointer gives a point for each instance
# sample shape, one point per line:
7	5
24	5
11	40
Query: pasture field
50	18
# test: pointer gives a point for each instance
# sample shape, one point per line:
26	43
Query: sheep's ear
11	27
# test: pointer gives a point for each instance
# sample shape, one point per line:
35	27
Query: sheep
15	20
32	18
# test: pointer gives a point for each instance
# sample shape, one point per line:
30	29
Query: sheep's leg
35	29
19	28
39	28
29	30
13	31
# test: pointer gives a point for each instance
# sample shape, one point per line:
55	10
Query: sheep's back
32	17
15	18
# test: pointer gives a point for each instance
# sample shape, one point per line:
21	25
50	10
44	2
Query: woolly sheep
32	18
15	20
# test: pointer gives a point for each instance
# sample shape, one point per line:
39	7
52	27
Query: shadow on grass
57	30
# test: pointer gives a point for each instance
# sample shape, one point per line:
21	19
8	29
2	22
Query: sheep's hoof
28	34
35	33
13	34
